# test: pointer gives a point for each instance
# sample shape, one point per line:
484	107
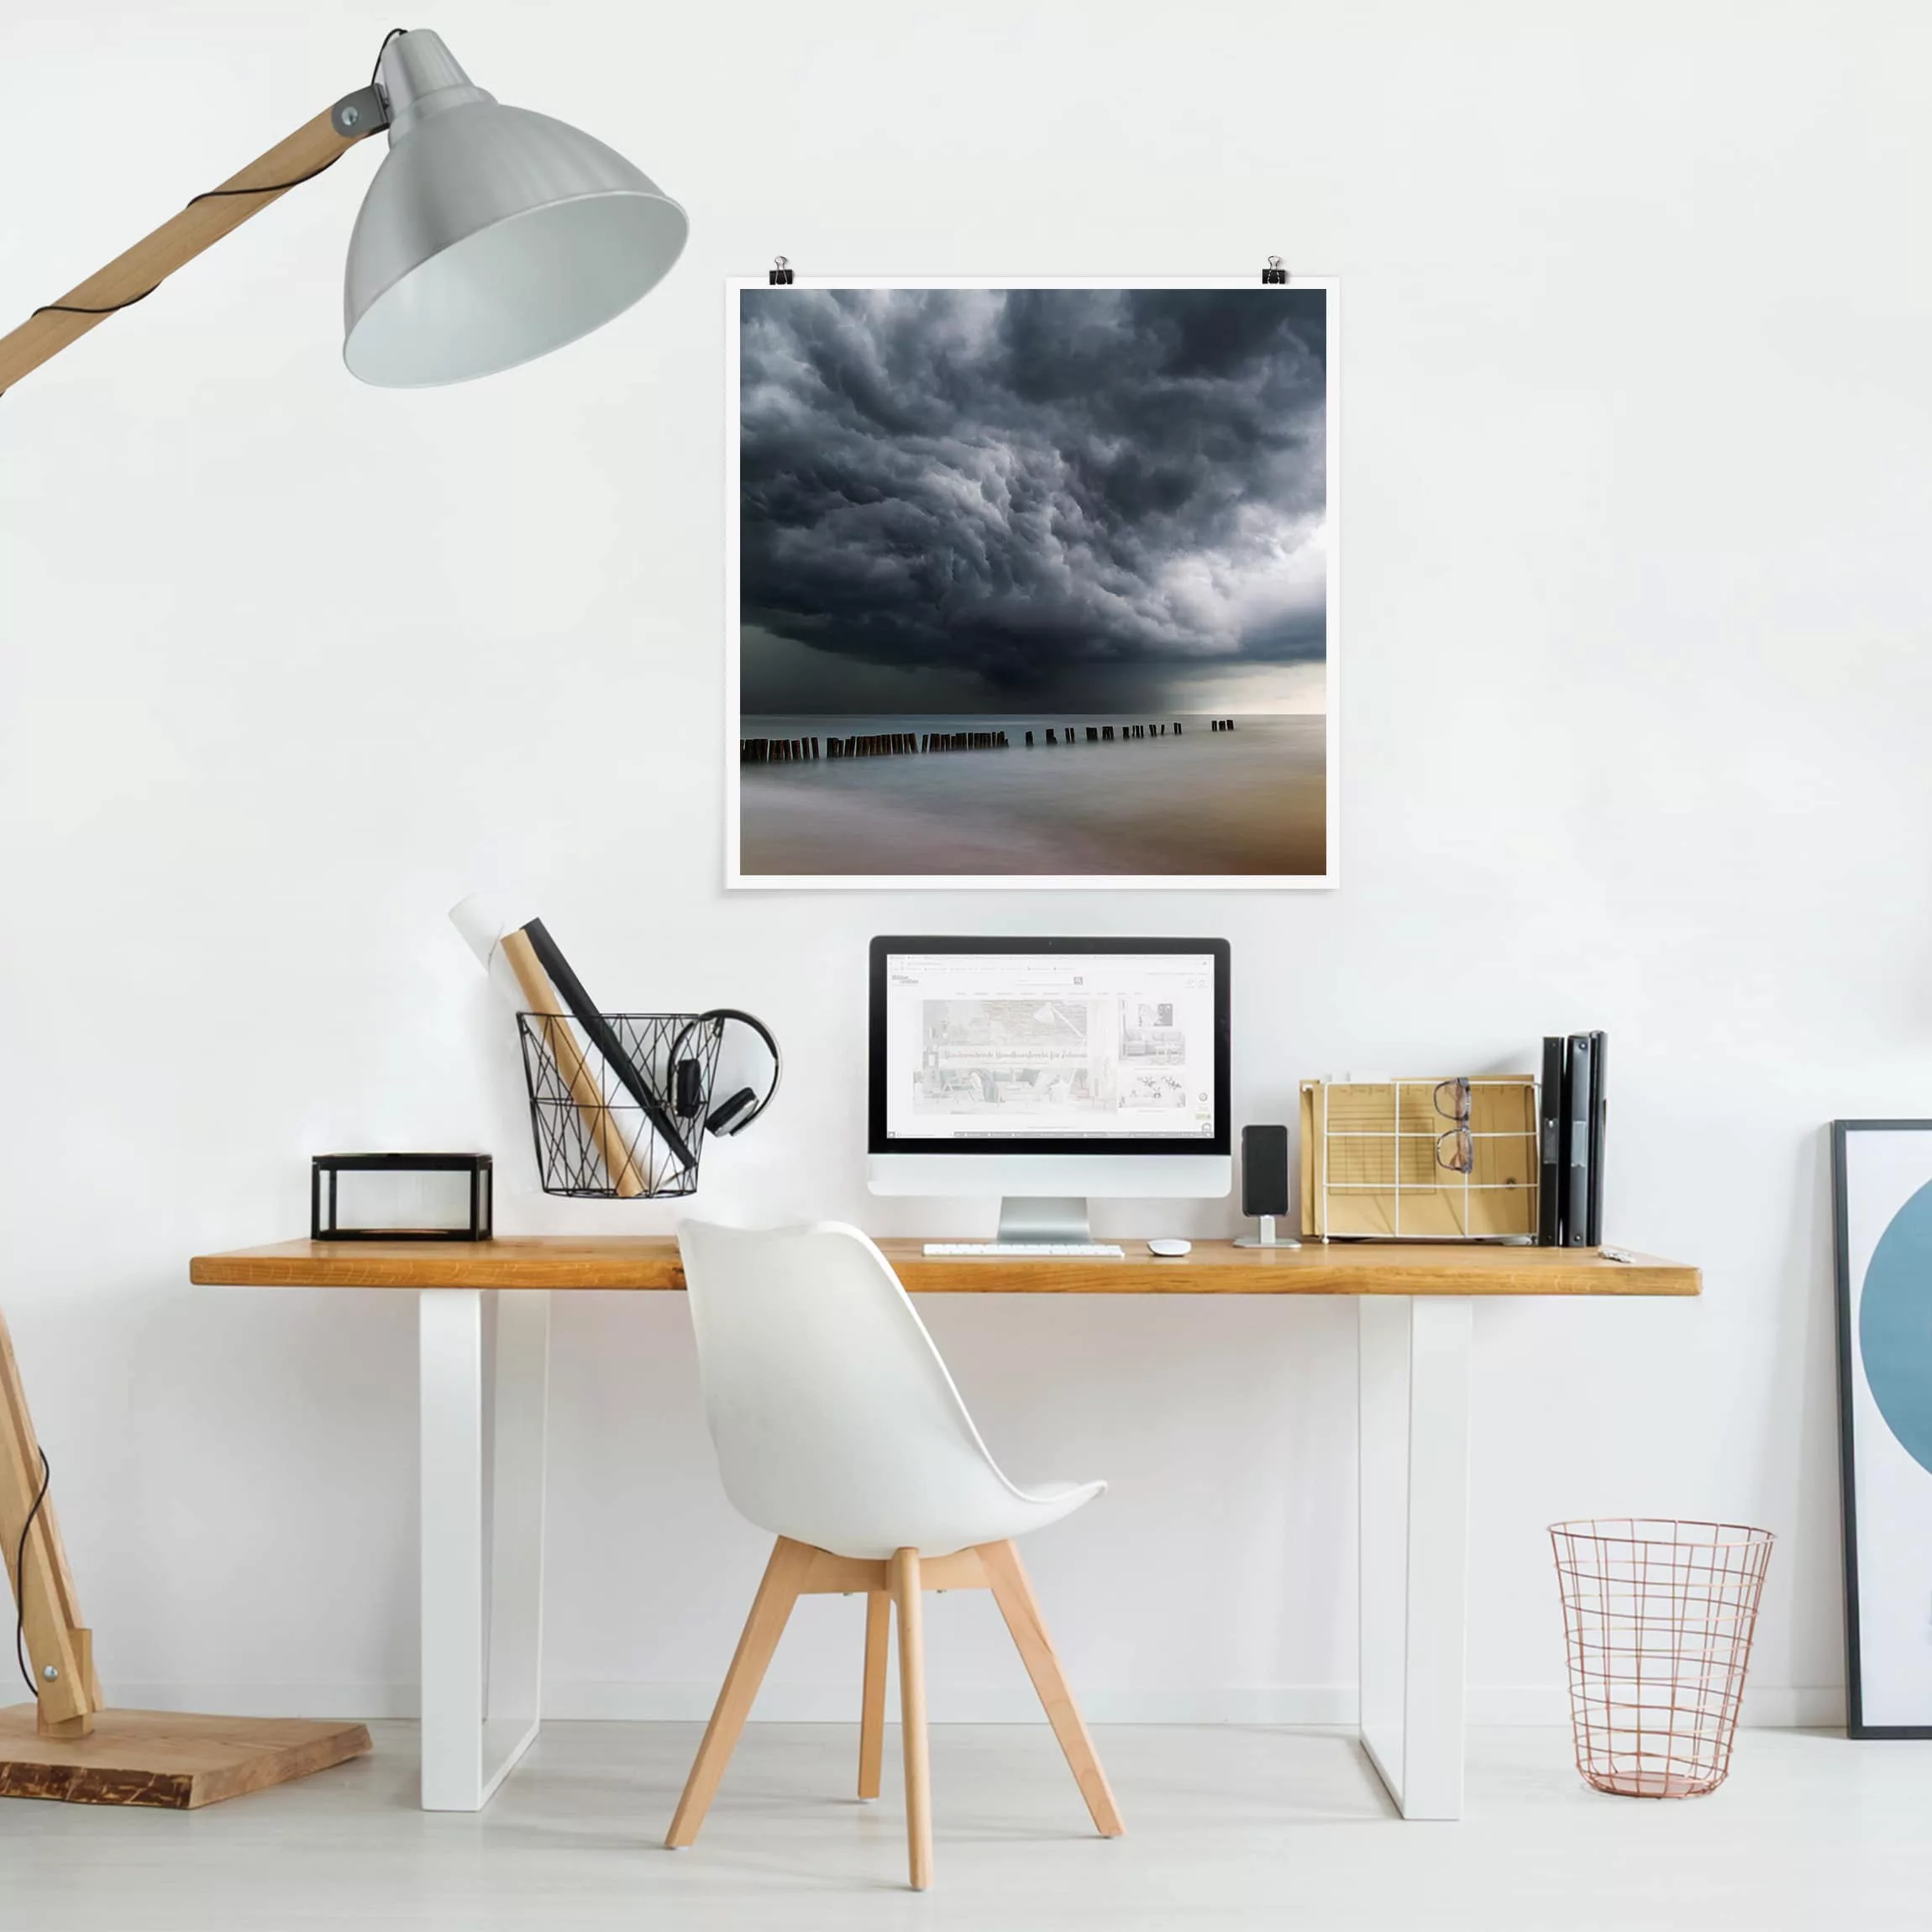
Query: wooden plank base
167	1759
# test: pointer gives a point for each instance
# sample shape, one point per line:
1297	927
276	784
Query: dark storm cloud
1028	485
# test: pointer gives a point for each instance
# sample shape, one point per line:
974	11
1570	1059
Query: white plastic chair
838	1429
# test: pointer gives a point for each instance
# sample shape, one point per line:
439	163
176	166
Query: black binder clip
781	273
1274	275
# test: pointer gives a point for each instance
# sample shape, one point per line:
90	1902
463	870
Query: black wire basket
609	1132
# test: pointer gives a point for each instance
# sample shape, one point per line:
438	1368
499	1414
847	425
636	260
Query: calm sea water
1248	802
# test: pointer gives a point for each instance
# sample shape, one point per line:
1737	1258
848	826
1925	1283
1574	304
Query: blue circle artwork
1895	1326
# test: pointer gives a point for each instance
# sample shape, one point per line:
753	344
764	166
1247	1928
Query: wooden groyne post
904	744
779	750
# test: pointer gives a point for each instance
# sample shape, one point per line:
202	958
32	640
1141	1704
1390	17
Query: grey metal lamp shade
490	235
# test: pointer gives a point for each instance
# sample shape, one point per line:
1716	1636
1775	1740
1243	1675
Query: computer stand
1265	1235
1044	1218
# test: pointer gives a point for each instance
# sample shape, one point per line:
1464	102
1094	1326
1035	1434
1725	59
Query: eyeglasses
1461	1157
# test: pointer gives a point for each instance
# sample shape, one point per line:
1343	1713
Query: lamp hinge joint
364	112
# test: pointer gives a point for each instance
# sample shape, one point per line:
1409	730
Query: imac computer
1042	1071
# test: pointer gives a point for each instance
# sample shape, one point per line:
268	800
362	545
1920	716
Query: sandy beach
1246	803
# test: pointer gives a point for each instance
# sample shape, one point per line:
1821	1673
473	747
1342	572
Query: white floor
1227	1828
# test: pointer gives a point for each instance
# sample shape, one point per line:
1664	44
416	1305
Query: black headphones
734	1115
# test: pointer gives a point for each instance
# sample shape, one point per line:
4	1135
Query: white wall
1637	689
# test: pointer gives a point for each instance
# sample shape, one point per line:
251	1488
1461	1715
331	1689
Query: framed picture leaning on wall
1882	1197
1032	584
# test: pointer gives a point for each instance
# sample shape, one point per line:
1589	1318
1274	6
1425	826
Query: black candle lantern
400	1197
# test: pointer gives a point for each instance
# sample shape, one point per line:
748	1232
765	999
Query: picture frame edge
1842	1130
1847	1463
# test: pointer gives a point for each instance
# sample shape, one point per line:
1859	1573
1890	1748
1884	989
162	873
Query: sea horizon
1033	716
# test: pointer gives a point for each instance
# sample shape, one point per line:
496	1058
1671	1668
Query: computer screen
1017	1046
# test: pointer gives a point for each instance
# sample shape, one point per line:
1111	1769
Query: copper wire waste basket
1659	1617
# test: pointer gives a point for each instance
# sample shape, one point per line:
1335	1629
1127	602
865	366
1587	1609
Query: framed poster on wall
1881	1189
1032	584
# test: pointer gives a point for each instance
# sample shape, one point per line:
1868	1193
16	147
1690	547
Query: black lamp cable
394	34
206	195
20	1582
214	194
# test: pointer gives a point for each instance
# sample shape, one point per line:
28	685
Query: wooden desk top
650	1262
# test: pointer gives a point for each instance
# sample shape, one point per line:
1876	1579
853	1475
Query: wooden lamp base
167	1759
69	1745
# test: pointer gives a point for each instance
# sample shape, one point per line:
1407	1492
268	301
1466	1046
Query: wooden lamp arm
203	222
49	1613
59	1648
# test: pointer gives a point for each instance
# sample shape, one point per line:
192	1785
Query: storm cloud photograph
1034	585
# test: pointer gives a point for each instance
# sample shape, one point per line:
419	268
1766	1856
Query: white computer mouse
1170	1248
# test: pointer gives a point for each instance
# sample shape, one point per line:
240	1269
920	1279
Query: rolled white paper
482	924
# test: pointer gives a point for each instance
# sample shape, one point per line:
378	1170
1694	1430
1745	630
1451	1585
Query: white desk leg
512	1705
476	1724
1415	1554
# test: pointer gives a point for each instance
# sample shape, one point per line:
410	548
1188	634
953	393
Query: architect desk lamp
490	236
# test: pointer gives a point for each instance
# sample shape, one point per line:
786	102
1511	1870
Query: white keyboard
1024	1247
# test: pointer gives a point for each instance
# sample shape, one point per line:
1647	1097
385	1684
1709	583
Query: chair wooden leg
905	1578
1014	1594
872	1704
769	1611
